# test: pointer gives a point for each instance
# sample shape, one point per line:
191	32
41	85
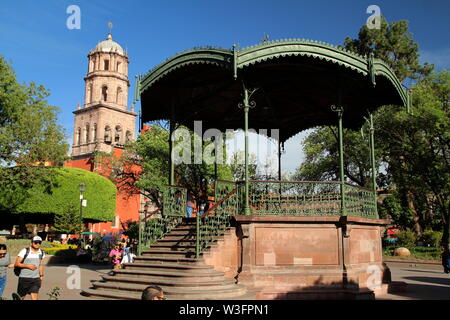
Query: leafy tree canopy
29	137
64	193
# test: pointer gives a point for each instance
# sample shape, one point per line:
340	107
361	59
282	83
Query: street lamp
82	189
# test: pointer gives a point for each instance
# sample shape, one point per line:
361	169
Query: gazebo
282	239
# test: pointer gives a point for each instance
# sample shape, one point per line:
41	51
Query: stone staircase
170	264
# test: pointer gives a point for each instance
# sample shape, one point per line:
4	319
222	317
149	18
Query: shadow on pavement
425	271
431	280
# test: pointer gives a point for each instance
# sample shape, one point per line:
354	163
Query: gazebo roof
297	81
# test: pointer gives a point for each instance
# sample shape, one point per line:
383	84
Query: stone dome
109	45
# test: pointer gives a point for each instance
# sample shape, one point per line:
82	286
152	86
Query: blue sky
35	39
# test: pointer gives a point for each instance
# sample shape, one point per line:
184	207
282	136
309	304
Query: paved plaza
425	281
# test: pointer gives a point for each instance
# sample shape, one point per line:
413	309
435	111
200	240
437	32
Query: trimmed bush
15	245
431	238
60	250
406	238
100	195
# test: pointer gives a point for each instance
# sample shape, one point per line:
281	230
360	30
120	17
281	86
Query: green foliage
406	238
64	194
67	221
322	156
237	165
417	147
131	229
54	293
29	136
417	253
393	43
15	245
60	250
392	208
151	153
431	238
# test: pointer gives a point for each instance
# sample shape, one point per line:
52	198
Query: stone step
164	253
164	281
170	265
122	295
177	292
172	247
181	233
171	274
170	237
175	242
112	295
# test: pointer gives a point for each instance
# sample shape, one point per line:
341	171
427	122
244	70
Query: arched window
78	136
106	61
94	132
118	66
128	136
105	93
117	135
86	132
107	134
119	95
89	93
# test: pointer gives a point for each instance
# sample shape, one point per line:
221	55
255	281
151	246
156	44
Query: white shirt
128	258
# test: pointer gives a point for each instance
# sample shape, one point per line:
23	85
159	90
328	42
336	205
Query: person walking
31	274
446	259
5	263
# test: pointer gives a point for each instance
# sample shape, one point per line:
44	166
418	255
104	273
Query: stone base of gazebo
286	257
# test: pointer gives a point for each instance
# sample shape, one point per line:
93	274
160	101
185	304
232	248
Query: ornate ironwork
360	202
160	222
301	198
218	218
174	201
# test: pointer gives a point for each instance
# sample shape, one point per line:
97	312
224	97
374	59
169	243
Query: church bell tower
104	121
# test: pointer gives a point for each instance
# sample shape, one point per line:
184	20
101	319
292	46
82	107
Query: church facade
104	124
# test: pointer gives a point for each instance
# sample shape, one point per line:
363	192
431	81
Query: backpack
18	269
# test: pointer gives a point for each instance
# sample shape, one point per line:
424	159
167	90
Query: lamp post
82	189
141	226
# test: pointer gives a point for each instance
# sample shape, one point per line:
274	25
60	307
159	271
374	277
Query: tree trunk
412	207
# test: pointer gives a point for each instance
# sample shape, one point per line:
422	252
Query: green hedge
15	245
100	195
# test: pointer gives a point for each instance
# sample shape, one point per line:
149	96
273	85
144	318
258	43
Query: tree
29	137
150	152
322	157
237	165
392	43
67	221
417	149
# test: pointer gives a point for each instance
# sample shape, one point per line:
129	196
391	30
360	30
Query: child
116	256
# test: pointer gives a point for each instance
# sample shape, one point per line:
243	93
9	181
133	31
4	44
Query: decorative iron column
340	111
171	130
279	160
246	105
372	159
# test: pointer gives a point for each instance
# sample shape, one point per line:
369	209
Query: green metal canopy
297	80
